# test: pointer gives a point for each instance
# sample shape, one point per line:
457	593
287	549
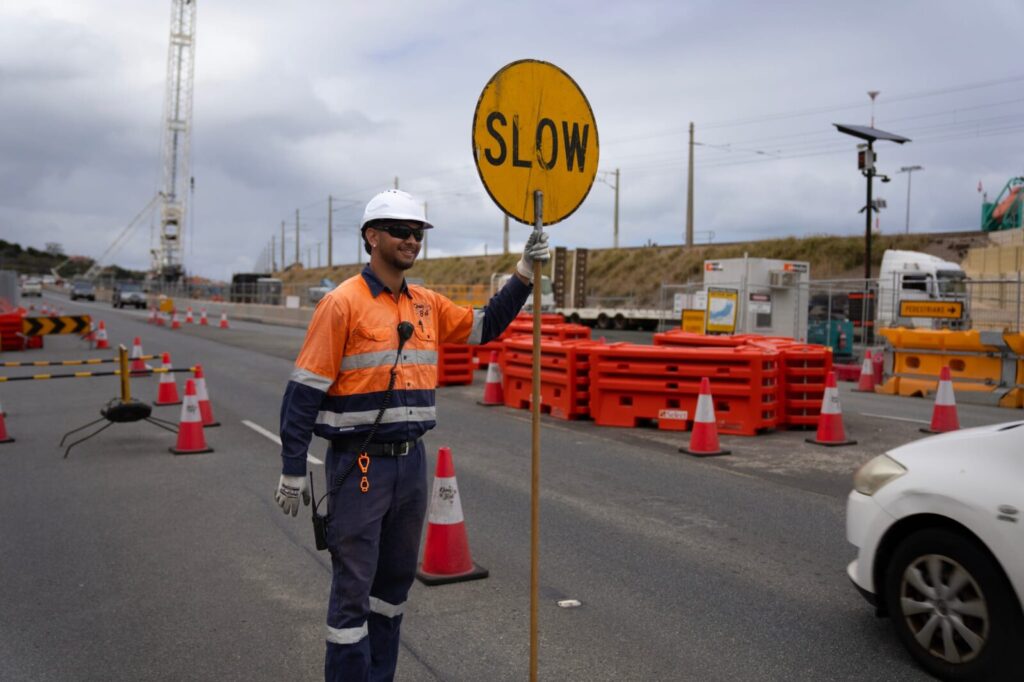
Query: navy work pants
374	541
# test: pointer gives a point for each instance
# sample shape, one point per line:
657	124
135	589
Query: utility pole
298	259
273	254
282	245
505	240
909	170
330	231
396	182
616	208
689	193
318	253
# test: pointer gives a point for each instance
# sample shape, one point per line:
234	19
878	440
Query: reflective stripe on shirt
307	378
477	332
392	415
386	358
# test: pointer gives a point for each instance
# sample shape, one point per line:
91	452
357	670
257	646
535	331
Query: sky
296	101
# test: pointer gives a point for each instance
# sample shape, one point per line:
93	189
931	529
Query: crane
176	182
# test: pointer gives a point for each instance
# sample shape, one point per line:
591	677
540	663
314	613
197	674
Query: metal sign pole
538	225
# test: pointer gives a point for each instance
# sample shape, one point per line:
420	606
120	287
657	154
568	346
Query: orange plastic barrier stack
803	369
630	382
552	326
564	375
454	364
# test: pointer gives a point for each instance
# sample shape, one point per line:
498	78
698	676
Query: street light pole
909	170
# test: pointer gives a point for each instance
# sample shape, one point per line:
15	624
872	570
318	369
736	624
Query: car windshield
130	287
83	284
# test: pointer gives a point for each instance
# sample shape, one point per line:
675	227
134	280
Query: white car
939	528
32	287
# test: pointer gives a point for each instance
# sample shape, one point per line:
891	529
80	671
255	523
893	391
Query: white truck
914	276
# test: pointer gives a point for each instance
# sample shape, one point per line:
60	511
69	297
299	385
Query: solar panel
870	134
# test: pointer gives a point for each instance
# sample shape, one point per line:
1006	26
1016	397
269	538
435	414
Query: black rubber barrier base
9	440
477	573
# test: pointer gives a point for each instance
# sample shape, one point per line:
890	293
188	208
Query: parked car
128	293
939	528
83	288
32	287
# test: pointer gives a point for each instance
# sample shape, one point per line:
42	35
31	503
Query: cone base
863	390
830	443
486	404
176	451
476	573
705	453
210	425
7	440
161	404
928	429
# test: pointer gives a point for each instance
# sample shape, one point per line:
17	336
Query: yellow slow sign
533	129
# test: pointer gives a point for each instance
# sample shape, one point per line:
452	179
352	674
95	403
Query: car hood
959	447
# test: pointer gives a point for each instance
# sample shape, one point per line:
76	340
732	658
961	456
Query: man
365	380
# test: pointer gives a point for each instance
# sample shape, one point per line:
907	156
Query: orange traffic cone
160	318
446	556
90	336
101	337
205	408
866	382
944	417
152	316
175	324
138	364
704	439
167	391
830	420
202	318
191	440
224	321
189	319
493	393
4	437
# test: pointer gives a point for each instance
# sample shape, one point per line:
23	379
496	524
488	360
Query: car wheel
953	608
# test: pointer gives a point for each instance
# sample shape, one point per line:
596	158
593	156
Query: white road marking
273	437
895	419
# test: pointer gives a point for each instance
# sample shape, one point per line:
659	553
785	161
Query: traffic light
865	158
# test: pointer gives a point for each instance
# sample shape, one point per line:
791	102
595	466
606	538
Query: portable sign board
950	310
693	321
721	318
533	129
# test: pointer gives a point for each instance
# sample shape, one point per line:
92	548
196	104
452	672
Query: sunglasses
402	232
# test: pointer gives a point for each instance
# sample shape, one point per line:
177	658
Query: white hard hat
394	204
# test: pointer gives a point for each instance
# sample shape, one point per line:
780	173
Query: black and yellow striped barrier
85	375
64	324
69	363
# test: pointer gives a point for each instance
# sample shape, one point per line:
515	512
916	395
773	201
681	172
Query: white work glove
288	490
536	250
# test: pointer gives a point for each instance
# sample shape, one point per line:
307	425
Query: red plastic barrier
629	382
556	329
564	375
10	329
454	364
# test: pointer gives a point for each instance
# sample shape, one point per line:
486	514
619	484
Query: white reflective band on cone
383	608
493	373
830	404
445	507
945	394
201	394
347	635
190	410
705	410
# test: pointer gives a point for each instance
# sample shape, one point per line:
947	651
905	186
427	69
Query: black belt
375	449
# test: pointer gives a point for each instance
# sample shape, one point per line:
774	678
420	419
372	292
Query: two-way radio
320	521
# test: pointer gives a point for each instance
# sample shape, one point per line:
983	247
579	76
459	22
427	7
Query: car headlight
870	478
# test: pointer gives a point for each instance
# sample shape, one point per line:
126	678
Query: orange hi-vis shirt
341	375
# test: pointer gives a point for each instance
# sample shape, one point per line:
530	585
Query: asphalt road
124	562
